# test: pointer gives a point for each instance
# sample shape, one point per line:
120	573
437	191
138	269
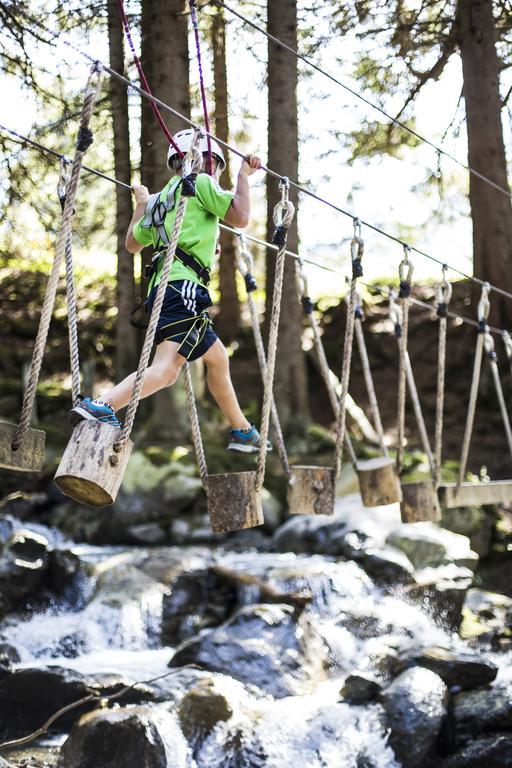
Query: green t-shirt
200	228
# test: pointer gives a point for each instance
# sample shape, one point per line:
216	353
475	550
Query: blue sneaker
91	409
246	440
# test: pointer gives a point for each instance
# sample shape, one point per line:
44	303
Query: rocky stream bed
347	642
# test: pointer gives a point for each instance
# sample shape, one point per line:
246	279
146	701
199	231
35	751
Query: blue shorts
184	318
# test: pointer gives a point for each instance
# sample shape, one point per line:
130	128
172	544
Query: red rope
195	25
143	80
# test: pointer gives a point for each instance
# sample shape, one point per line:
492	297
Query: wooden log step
378	482
233	503
90	471
30	455
420	502
311	491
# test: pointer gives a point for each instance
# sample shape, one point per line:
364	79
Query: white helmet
183	140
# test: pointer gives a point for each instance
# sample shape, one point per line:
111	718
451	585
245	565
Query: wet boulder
415	704
360	688
441	592
138	737
29	696
268	646
23	566
312	535
213	700
466	670
198	599
492	752
477	523
427	545
481	711
487	616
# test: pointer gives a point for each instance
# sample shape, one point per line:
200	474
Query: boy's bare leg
163	371
221	387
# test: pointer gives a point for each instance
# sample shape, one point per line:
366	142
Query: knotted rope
443	296
400	315
283	217
356	251
84	141
326	373
367	373
195	426
245	266
191	166
483	313
70	292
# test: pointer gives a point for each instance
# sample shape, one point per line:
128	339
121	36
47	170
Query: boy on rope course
184	330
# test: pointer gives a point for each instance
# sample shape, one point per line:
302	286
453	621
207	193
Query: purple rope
142	76
195	25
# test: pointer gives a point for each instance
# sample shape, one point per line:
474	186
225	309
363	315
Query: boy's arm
239	211
141	195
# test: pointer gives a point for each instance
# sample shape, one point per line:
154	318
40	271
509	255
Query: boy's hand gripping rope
192	164
83	142
283	216
484	306
356	251
442	301
245	265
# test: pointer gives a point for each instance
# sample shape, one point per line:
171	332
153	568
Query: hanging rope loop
405	271
284	212
357	250
358	310
91	94
62	184
443	294
191	166
507	341
489	346
484	307
395	313
283	216
303	289
245	262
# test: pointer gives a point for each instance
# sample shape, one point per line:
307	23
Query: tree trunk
491	210
228	319
126	340
290	383
165	58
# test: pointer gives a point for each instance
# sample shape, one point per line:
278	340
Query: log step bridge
475	494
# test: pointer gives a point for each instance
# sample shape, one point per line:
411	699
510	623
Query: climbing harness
419	499
494	492
95	459
21	447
